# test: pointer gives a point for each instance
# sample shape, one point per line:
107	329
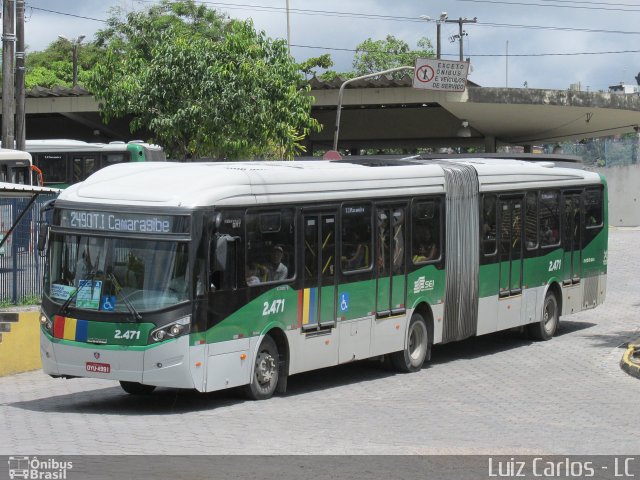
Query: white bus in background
15	167
64	162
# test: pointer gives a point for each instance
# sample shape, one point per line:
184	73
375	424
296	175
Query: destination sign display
124	222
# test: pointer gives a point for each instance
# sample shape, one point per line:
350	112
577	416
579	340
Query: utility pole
442	18
8	55
20	74
75	44
288	30
506	68
461	34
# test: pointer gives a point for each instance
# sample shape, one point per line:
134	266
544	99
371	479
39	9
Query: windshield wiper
136	315
89	280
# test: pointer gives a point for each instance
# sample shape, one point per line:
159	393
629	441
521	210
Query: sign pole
344	84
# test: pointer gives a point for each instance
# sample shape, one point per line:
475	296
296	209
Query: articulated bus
64	162
215	275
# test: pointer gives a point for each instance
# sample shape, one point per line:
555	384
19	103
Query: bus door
511	210
571	231
390	260
319	277
83	166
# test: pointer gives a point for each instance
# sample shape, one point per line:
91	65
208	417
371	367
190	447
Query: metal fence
606	151
21	268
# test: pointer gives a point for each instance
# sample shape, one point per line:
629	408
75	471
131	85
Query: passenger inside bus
427	249
357	258
252	274
274	270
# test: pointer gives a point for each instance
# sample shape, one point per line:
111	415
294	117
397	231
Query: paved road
499	394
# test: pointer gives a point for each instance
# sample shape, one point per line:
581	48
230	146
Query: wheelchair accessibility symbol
344	302
108	303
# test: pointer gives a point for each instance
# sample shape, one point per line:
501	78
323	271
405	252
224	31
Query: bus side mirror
43	226
223	263
43	236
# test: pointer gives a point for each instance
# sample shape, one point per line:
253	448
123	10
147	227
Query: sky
550	43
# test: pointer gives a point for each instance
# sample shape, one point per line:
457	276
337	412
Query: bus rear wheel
547	327
414	354
135	388
265	371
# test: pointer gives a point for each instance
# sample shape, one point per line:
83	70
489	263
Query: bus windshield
106	274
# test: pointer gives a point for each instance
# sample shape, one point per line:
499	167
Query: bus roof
193	185
65	145
18	190
8	154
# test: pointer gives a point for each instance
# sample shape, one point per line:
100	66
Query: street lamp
75	43
439	21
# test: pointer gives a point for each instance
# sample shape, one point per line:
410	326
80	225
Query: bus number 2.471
554	265
127	334
273	307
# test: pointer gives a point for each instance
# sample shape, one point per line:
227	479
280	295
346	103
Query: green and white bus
64	162
218	275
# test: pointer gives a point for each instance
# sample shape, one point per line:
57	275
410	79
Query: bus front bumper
165	364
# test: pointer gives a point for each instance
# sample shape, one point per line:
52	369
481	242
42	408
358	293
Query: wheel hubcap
265	367
416	343
549	315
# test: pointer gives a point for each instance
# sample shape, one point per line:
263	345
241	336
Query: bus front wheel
548	324
265	372
135	388
414	354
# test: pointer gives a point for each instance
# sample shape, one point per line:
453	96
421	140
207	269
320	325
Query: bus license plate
98	367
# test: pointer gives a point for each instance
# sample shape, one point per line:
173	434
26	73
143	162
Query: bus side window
489	225
549	218
356	238
593	208
270	246
425	244
531	221
593	213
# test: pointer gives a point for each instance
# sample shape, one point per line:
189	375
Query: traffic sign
441	75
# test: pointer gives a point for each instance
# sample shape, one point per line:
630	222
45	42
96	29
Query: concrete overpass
389	113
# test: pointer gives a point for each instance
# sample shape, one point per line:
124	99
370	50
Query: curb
628	363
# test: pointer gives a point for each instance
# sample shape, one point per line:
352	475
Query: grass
24	301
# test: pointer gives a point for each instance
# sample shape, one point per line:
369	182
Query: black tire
135	388
414	354
265	372
547	327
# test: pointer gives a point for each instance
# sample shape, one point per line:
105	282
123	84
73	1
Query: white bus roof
192	185
8	154
18	190
65	145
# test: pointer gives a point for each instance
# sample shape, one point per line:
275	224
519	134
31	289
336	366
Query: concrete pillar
490	144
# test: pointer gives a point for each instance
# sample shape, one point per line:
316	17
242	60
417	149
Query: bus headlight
46	322
181	326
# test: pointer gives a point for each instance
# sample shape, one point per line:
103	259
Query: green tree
54	66
323	61
202	84
377	55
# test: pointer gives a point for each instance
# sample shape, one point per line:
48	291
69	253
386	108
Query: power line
572	5
566	54
564	29
330	13
67	14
